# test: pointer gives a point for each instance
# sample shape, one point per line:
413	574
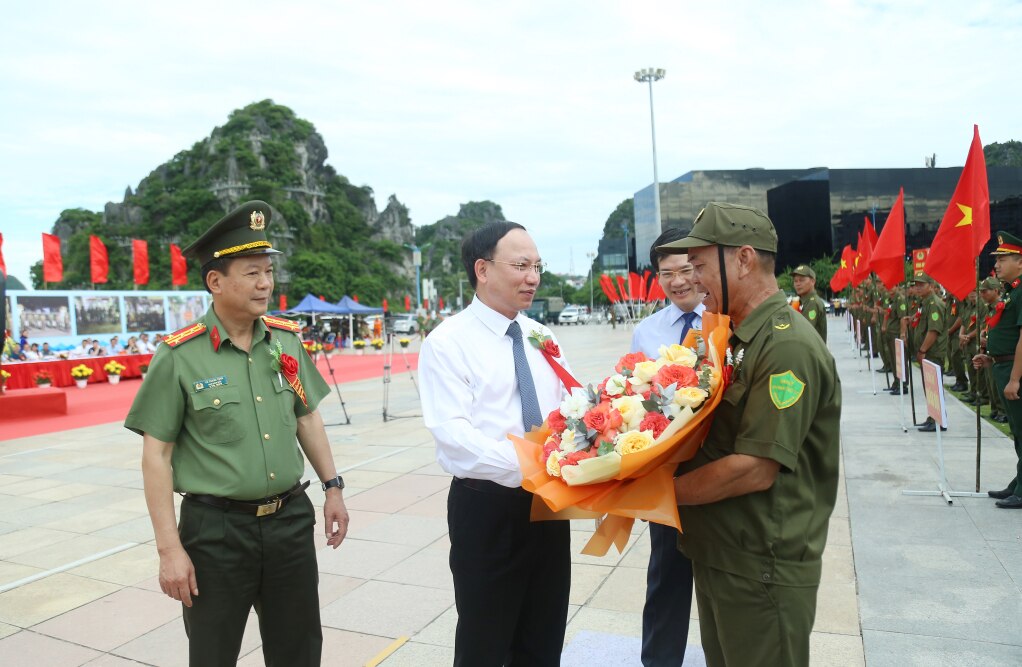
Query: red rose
654	421
288	366
575	457
550	347
629	360
555	420
602	418
683	376
552	443
606	436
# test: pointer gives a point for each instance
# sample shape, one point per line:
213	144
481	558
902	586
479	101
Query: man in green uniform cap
989	297
757	498
931	332
897	309
809	302
1004	354
224	402
968	344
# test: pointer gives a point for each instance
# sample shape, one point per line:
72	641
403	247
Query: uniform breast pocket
285	396
217	416
734	394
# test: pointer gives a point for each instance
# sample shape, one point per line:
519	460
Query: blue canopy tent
352	308
312	305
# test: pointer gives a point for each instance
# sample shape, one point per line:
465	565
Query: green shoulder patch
785	389
812	314
934	316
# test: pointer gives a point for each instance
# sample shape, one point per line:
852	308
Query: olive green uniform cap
727	225
804	270
241	232
922	278
990	283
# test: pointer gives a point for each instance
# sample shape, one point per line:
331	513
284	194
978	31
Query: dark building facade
817	211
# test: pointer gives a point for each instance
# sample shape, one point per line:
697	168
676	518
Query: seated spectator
115	345
82	351
96	350
157	339
131	347
31	353
144	346
46	352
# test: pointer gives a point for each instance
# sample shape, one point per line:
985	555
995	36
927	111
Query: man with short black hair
665	616
482	380
809	302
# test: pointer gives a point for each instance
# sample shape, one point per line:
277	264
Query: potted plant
81	374
359	345
143	369
3	380
43	379
113	371
377	344
404	342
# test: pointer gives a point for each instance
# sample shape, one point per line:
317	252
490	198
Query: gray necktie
531	415
689	319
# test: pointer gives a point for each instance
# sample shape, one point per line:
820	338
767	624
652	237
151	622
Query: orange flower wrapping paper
644	488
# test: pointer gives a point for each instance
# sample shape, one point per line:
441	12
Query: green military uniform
231	415
897	309
970	327
812	306
1002	341
933	318
953	353
986	376
757	557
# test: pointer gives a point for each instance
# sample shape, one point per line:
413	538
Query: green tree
1008	154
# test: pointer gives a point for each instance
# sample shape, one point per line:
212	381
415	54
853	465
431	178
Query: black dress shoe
1002	494
959	387
931	427
1010	503
1000	419
885	369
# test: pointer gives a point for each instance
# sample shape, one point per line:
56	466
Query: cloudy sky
529	104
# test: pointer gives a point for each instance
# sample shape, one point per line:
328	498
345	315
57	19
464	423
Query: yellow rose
633	441
691	397
645	371
553	464
678	354
631	410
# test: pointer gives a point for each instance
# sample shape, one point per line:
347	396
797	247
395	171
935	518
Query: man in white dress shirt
669	577
511	575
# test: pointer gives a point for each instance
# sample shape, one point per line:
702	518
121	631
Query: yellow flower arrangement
4	375
114	368
359	344
81	372
404	342
377	343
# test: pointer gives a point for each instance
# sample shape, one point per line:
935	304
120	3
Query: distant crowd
23	350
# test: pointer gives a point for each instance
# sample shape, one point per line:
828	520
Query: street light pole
417	260
591	256
648	76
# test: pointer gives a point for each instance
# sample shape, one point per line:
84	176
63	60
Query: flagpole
975	392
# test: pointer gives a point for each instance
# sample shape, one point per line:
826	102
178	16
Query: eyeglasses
521	267
668	276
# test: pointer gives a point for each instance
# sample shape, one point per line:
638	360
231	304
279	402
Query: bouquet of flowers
81	372
42	378
610	451
112	367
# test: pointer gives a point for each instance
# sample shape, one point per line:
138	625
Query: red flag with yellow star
888	260
843	276
965	228
862	259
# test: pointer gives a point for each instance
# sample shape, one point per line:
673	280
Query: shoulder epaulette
182	335
281	323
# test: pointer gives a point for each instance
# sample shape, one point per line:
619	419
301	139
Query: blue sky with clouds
528	104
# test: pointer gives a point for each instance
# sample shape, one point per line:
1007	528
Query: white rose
616	385
575	405
645	371
568	441
691	397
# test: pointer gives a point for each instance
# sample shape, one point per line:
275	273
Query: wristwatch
336	482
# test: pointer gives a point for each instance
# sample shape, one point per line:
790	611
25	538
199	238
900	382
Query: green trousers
1002	373
996	397
747	623
956	359
244	561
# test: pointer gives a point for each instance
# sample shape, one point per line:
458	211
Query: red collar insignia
214	337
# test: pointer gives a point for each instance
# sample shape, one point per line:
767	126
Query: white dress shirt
470	398
663	328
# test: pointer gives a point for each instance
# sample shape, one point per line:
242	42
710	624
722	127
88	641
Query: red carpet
103	403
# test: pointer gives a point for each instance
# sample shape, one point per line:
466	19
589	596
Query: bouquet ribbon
644	488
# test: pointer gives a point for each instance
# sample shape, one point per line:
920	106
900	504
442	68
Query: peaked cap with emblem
1007	244
990	283
241	232
804	270
727	225
921	278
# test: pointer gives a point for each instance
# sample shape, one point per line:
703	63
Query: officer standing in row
220	411
756	500
1004	355
989	297
931	331
810	304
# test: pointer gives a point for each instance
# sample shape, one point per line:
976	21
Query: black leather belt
486	486
1001	358
262	507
